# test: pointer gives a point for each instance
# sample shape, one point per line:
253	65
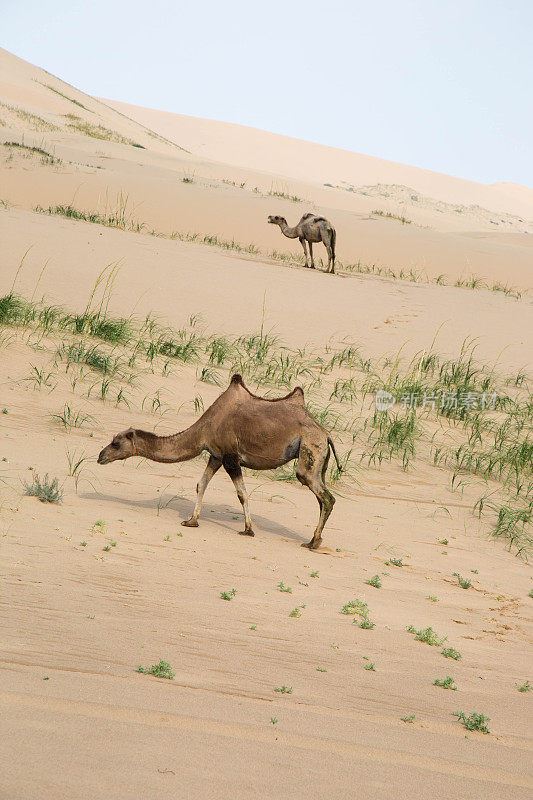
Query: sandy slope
84	618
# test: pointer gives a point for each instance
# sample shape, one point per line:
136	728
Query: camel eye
115	445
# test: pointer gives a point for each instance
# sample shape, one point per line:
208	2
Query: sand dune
108	580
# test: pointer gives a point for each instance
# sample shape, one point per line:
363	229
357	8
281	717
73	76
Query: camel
242	430
311	229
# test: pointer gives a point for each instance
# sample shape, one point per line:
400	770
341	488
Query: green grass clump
282	588
388	214
370	666
375	582
525	687
295	613
446	683
160	670
228	595
464	583
450	652
46	158
396	562
70	99
475	722
284	196
46	490
360	609
408	718
99	131
283	689
428	636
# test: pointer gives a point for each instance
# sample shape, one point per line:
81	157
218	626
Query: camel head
122	446
275	220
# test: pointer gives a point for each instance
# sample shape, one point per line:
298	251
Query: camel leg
232	467
311	471
310	244
302	242
213	465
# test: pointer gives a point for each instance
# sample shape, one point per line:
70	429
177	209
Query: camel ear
129	434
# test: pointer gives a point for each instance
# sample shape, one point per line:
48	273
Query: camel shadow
223	515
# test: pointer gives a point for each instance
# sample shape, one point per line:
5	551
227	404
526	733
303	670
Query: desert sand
107	579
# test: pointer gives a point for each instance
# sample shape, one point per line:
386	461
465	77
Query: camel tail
333	241
330	442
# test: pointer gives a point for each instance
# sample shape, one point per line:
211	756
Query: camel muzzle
102	458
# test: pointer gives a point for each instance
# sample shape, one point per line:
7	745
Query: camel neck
291	233
180	446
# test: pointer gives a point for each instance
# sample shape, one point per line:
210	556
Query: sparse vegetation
464	583
45	489
98	131
160	670
428	636
283	689
446	683
525	687
228	595
390	215
375	581
408	718
474	722
282	588
46	158
360	609
450	652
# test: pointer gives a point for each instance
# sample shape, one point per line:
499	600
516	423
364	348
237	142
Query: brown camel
242	430
311	229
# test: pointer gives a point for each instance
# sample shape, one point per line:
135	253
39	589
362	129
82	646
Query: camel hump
297	394
319	219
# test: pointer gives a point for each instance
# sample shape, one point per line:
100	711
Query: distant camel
242	430
311	229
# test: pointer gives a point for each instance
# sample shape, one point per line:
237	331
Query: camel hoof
246	533
190	523
314	544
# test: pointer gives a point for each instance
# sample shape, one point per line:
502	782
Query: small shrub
295	613
396	562
450	652
370	666
46	490
160	670
446	683
432	598
282	588
359	608
408	718
314	574
375	582
526	687
321	669
475	722
273	720
228	595
464	583
283	689
428	636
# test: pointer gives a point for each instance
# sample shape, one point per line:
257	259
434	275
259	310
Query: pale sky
444	85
